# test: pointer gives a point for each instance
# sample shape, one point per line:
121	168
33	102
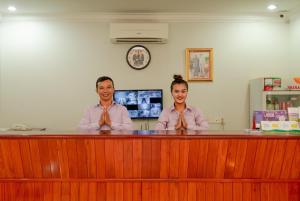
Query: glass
282	102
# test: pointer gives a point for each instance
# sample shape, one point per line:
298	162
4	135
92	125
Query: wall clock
138	57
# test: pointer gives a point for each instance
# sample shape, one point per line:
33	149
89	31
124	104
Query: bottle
270	105
294	101
289	104
276	104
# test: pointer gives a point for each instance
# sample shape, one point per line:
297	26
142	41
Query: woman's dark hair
178	80
103	78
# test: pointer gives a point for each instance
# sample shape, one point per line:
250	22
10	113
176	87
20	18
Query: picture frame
199	64
138	57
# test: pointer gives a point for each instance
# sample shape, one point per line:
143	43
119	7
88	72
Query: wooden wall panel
211	162
209	191
136	191
11	159
265	192
247	191
137	158
74	191
202	156
155	158
146	158
218	192
221	158
295	169
192	191
288	158
268	158
150	158
240	159
165	159
73	164
250	158
92	191
145	191
109	159
128	159
160	169
100	158
183	158
57	191
294	191
66	191
91	158
26	159
63	158
45	158
174	159
228	192
201	191
255	192
81	152
118	154
163	191
231	159
237	191
119	191
173	192
128	190
183	191
278	159
101	191
259	159
193	158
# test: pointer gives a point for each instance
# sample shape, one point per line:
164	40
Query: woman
180	116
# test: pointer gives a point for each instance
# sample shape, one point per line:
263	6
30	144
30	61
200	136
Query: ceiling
240	7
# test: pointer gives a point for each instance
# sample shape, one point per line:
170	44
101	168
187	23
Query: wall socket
217	121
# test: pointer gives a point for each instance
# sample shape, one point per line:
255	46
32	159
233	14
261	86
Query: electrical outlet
220	122
217	121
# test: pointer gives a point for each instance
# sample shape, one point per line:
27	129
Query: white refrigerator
278	99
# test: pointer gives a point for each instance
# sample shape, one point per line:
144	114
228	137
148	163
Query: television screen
141	104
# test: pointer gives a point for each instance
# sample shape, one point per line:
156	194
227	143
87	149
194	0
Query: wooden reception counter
149	165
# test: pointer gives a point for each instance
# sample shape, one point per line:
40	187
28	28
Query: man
106	115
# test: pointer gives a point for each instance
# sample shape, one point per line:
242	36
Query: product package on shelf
281	126
272	83
269	115
293	113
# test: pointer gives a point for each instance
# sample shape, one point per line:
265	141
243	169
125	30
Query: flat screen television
141	103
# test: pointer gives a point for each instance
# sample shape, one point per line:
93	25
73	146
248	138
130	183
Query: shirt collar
113	103
172	108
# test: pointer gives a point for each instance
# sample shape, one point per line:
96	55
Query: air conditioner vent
139	33
140	40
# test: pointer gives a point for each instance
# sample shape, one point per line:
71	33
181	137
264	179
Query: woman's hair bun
177	77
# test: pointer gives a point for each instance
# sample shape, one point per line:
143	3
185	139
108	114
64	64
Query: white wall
295	46
0	69
49	68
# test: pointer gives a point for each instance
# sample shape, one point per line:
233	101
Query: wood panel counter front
149	165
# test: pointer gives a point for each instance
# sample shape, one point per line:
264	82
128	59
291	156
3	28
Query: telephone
21	127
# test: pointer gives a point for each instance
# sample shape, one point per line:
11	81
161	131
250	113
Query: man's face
105	90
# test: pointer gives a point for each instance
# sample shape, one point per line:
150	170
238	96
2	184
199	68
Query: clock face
138	57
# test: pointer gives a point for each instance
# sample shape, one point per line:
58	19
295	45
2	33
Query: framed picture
199	64
138	57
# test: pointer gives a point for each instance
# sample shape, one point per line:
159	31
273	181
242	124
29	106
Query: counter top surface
148	133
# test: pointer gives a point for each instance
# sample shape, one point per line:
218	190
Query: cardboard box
270	115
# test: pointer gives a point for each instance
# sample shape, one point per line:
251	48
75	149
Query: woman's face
179	93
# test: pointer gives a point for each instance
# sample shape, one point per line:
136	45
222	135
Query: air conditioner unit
139	32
